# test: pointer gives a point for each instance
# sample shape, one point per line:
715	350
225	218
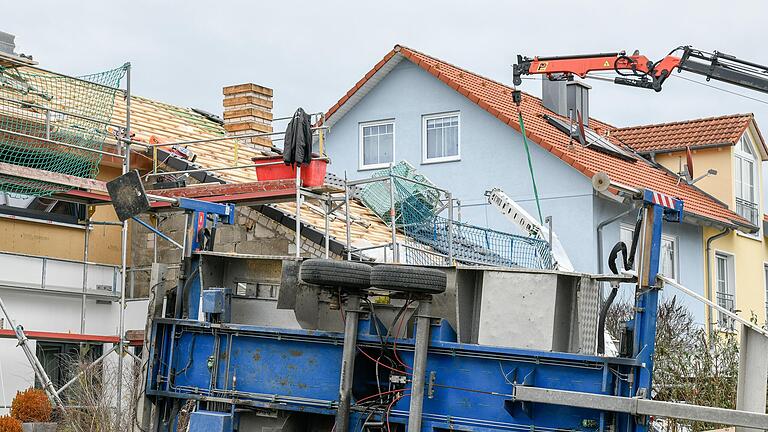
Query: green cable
530	165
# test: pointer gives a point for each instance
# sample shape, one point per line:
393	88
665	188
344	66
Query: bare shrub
92	400
689	365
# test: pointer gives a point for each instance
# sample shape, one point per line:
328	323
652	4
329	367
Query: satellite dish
601	182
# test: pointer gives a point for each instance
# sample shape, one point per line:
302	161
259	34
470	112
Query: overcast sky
311	53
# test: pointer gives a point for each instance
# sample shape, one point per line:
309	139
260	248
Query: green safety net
422	195
431	238
43	114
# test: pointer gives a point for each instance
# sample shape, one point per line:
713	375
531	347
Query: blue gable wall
492	155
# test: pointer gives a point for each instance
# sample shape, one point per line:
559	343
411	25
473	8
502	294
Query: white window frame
740	155
664	237
360	152
765	286
424	119
730	260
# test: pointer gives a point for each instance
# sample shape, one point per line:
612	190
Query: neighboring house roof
172	123
698	133
496	99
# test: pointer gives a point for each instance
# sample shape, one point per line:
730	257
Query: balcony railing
59	276
748	210
725	301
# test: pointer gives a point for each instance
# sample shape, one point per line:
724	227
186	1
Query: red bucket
312	175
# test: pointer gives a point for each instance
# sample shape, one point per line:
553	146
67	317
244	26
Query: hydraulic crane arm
638	71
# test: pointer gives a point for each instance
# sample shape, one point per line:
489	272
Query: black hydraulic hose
628	262
619	247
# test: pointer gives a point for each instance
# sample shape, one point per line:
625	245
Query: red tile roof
496	99
667	137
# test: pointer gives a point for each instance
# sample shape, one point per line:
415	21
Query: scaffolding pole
346	219
298	210
393	216
86	240
123	251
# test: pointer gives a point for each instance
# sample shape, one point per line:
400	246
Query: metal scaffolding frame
123	153
329	199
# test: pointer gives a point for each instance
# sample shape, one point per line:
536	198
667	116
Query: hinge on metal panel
431	385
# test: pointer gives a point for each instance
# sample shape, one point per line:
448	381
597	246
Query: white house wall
37	311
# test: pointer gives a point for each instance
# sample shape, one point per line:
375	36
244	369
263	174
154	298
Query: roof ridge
506	86
682	122
461	68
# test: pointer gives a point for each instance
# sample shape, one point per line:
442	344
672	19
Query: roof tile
666	137
492	95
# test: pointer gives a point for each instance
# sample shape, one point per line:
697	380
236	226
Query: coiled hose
628	262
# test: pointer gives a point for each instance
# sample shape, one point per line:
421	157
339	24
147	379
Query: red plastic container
312	175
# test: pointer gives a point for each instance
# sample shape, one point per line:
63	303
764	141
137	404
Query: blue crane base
240	368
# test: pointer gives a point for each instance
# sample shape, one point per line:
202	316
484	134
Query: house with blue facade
462	131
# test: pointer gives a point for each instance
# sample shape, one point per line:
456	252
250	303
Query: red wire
389	408
397	335
377	395
380	363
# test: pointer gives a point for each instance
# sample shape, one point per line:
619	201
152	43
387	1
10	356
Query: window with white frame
724	285
765	278
745	174
669	254
377	144
440	137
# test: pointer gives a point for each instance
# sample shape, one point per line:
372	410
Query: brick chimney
248	110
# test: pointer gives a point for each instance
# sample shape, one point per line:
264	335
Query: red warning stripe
664	200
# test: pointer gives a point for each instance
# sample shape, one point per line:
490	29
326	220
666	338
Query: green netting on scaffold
41	111
431	238
376	196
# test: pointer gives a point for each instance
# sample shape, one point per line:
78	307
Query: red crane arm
638	71
581	65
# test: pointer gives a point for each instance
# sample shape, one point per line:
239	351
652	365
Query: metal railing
748	210
725	301
61	276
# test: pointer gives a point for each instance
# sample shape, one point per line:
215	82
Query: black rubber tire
420	280
343	274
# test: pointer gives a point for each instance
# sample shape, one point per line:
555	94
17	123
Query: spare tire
420	280
343	274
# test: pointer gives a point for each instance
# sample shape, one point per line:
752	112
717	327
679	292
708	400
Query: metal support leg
423	325
347	362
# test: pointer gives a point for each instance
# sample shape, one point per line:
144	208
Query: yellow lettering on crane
542	66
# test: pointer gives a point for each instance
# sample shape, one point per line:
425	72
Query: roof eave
762	145
679	149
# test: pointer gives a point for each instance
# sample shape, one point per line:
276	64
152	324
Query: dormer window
745	174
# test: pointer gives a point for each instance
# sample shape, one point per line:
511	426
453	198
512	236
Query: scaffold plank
52	177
